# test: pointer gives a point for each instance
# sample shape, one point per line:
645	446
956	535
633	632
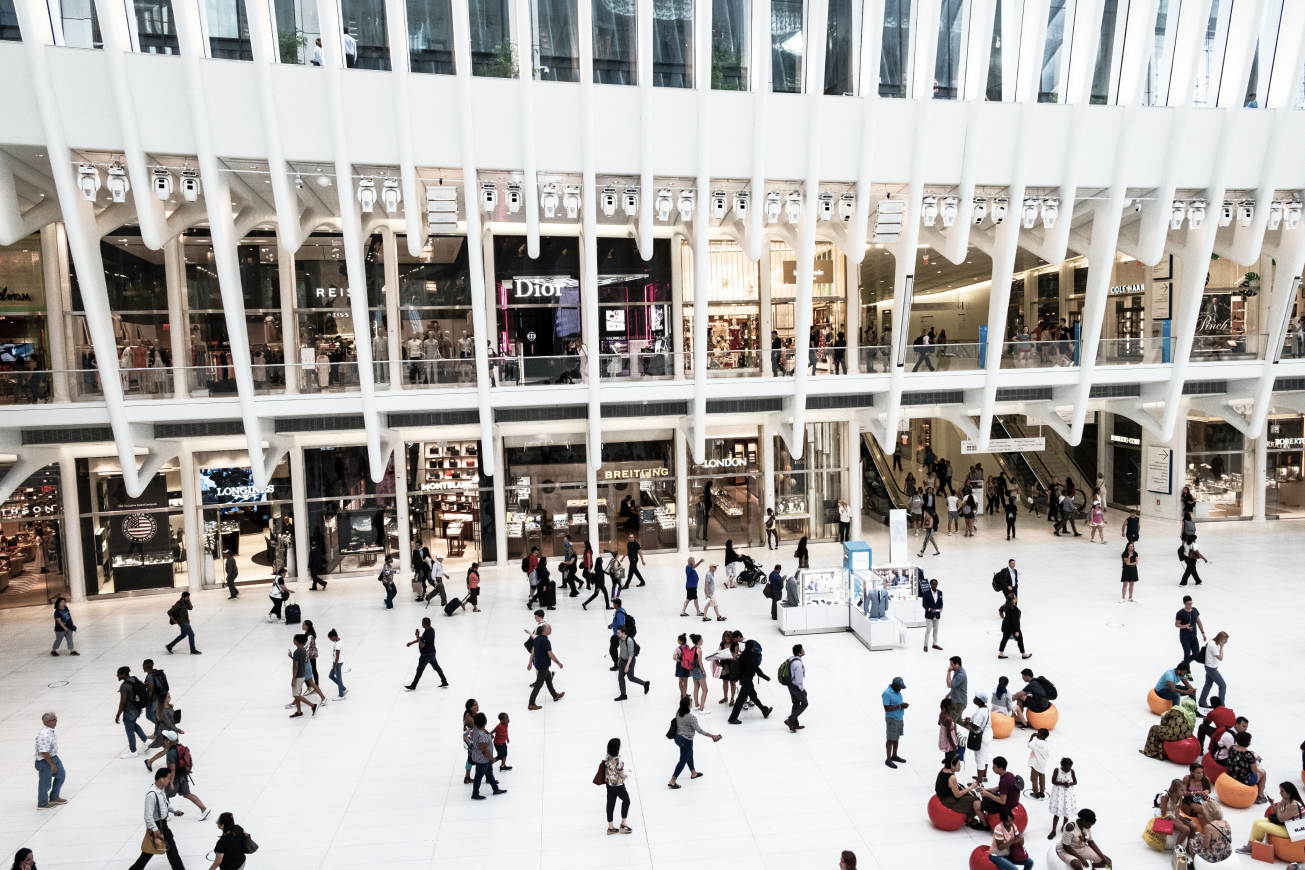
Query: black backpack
525	564
670	735
160	682
1181	556
138	694
999	581
630	628
1199	658
1048	687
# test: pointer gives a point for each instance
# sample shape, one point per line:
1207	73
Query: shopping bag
1296	829
1262	852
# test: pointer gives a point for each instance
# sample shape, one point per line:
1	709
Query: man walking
157	811
316	565
420	566
626	651
179	615
569	560
1190	555
930	522
933	607
1188	621
691	587
131	699
425	640
634	556
156	690
482	755
1007	581
748	668
618	620
894	720
232	571
437	581
542	660
1067	523
797	689
1132	529
49	769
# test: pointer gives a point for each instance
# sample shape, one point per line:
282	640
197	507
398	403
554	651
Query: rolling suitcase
452	606
293	616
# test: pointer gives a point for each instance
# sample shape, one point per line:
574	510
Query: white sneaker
292	703
130	754
204	815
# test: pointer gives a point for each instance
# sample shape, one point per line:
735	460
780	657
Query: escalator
1026	469
881	492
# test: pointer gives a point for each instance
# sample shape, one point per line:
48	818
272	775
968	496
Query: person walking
131	700
797	690
1213	676
1128	577
156	691
337	663
482	756
1188	622
618	620
801	554
179	615
933	608
691	587
420	566
49	768
953	514
313	674
613	775
1012	514
387	582
316	565
894	720
232	571
473	587
63	627
1010	627
569	565
685	725
1097	520
709	591
1188	554
229	853
158	836
1132	527
278	594
501	741
1067	512
969	508
425	640
542	659
298	676
180	763
1007	580
634	555
599	577
626	652
746	670
930	522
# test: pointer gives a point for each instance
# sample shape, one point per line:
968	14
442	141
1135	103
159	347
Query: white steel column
192	519
589	250
644	60
491	301
852	311
767	314
500	497
594	447
286	278
299	502
174	272
530	179
396	22
52	275
676	329
393	319
872	26
855	496
683	503
701	227
72	527
760	83
766	464
401	502
1258	466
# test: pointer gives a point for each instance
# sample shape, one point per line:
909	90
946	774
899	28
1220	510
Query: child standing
1063	803
1038	750
500	734
468	723
947	730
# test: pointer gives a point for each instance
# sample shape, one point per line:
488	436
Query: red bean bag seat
1158	705
1021	818
1233	793
1213	769
1002	726
1046	719
979	859
1286	850
1182	751
944	819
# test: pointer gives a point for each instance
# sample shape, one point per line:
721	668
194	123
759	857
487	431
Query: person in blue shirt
894	719
691	587
618	620
1173	684
776	581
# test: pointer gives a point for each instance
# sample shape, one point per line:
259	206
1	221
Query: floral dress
1214	844
1173	726
1061	800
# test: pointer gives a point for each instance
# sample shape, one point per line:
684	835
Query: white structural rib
530	187
1033	37
592	359
700	229
328	13
647	154
414	209
15	223
475	246
872	26
754	237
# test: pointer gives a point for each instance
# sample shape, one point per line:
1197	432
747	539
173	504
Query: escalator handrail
895	492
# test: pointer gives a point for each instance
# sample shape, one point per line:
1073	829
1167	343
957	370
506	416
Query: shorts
691	593
953	515
681	671
298	687
179	787
896	728
698	673
710	602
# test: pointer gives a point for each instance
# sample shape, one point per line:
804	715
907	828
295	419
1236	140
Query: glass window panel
81	24
730	44
228	29
1252	100
156	27
9	22
615	28
135	282
366	40
787	45
842	46
1210	58
430	36
557	41
296	28
673	44
1106	52
492	52
1049	88
994	90
896	48
947	64
1157	71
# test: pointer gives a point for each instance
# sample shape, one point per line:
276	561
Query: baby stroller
751	574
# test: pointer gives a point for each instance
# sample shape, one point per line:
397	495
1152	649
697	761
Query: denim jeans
61	636
1190	646
1212	677
484	771
129	717
1172	697
390	591
686	755
1007	864
337	677
151	716
49	783
187	633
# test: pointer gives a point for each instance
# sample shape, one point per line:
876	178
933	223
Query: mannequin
415	355
431	350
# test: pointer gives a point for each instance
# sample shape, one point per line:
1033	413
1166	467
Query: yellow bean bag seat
1285	850
1158	705
1235	794
1046	719
1002	725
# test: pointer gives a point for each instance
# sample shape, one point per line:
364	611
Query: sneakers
204	815
130	753
58	801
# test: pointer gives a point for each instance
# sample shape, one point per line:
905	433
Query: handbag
154	845
600	778
250	846
1295	829
1018	855
670	734
974	742
1163	826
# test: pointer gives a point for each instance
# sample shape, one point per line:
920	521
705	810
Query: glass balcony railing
1134	351
1040	354
435	373
949	357
731	363
1222	348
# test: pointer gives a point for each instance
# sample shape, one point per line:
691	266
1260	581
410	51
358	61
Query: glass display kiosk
823	598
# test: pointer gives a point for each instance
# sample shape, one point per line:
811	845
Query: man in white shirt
157	811
796	688
437	581
350	50
953	514
48	766
317	53
844	521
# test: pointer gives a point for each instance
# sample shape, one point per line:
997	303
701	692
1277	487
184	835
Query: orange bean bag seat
1158	705
1286	850
1046	719
1002	725
979	859
1233	793
1021	818
1212	768
944	819
1182	751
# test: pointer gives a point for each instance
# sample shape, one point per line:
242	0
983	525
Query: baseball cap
170	735
439	556
982	696
899	683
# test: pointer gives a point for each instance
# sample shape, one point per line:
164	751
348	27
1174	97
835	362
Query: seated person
1176	724
1002	700
1077	848
1004	836
1170	801
1031	699
1214	843
1244	765
1222	742
953	796
1174	683
1290	807
1196	783
1218	720
1006	796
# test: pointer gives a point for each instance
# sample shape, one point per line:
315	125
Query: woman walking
685	725
229	853
1213	660
1129	575
801	553
1010	628
729	683
473	588
968	509
278	596
599	578
587	564
63	627
930	523
313	673
614	773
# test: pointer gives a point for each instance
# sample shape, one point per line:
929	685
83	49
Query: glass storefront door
725	495
254	524
32	569
545	496
1284	484
352	524
130	543
450	502
637	484
809	487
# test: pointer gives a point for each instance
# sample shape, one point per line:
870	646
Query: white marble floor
376	780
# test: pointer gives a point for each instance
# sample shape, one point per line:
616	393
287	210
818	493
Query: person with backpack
747	669
1188	554
528	565
619	618
1035	697
598	576
132	698
1007	580
180	763
179	615
542	660
232	846
626	652
156	690
792	673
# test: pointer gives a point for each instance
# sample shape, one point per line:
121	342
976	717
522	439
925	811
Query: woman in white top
953	514
278	595
980	722
1213	658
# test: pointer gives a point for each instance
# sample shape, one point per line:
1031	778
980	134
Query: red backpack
185	764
